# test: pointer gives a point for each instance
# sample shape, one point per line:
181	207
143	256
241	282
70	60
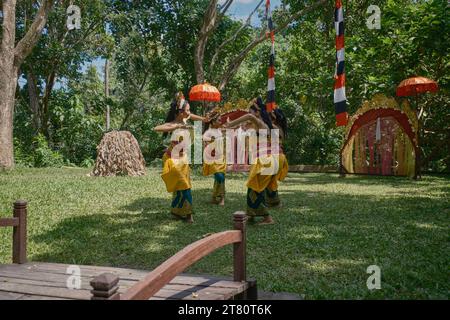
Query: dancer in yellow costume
279	122
176	170
270	166
218	168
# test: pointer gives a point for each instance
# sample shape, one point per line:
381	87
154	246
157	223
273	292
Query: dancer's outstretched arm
195	117
169	127
248	117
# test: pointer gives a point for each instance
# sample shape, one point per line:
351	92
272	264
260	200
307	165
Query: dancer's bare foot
190	219
267	220
222	202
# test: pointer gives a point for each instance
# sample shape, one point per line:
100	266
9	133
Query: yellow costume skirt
176	176
263	183
218	170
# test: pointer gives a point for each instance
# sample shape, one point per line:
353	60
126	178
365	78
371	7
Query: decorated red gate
381	139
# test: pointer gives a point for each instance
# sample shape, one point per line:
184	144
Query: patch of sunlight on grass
312	236
323	265
428	226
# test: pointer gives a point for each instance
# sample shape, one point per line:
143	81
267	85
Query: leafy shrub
44	156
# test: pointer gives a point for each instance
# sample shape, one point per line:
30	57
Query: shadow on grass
320	246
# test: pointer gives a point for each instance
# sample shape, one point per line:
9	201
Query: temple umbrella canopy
204	93
416	85
412	87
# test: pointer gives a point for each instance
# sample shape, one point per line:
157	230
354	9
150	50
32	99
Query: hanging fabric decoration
378	131
340	98
270	103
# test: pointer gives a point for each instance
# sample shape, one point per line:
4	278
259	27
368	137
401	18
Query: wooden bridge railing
19	224
106	285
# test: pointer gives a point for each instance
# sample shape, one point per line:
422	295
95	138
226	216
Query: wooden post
341	164
108	108
105	287
20	233
239	254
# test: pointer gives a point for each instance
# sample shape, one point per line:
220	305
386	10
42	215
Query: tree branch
208	27
236	62
233	37
26	44
224	8
8	26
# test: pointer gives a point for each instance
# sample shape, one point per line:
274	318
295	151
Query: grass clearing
326	235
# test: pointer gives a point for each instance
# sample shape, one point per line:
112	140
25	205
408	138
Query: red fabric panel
342	119
339	81
271	72
340	42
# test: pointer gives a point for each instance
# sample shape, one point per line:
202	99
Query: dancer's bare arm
247	118
169	127
195	117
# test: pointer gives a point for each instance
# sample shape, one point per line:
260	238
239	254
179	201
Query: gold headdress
181	101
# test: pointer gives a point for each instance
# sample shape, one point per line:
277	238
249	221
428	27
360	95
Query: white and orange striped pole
270	103
340	98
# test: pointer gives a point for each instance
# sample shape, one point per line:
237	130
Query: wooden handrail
105	285
19	224
163	274
9	222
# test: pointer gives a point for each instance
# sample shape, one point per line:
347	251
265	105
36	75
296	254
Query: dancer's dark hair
175	108
263	112
281	120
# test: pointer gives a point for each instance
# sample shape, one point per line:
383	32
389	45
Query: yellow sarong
259	177
176	174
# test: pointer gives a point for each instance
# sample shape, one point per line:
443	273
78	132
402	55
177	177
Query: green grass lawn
327	233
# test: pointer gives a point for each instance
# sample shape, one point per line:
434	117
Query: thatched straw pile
119	154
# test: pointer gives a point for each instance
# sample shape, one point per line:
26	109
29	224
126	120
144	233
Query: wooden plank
177	295
9	222
63	285
91	271
225	293
209	281
52	279
46	291
31	297
10	296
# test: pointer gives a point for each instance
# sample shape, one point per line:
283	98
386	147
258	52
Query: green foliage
43	155
76	130
150	45
21	156
87	163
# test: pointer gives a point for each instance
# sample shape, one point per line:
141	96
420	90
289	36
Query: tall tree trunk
11	57
33	93
8	91
8	84
45	117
